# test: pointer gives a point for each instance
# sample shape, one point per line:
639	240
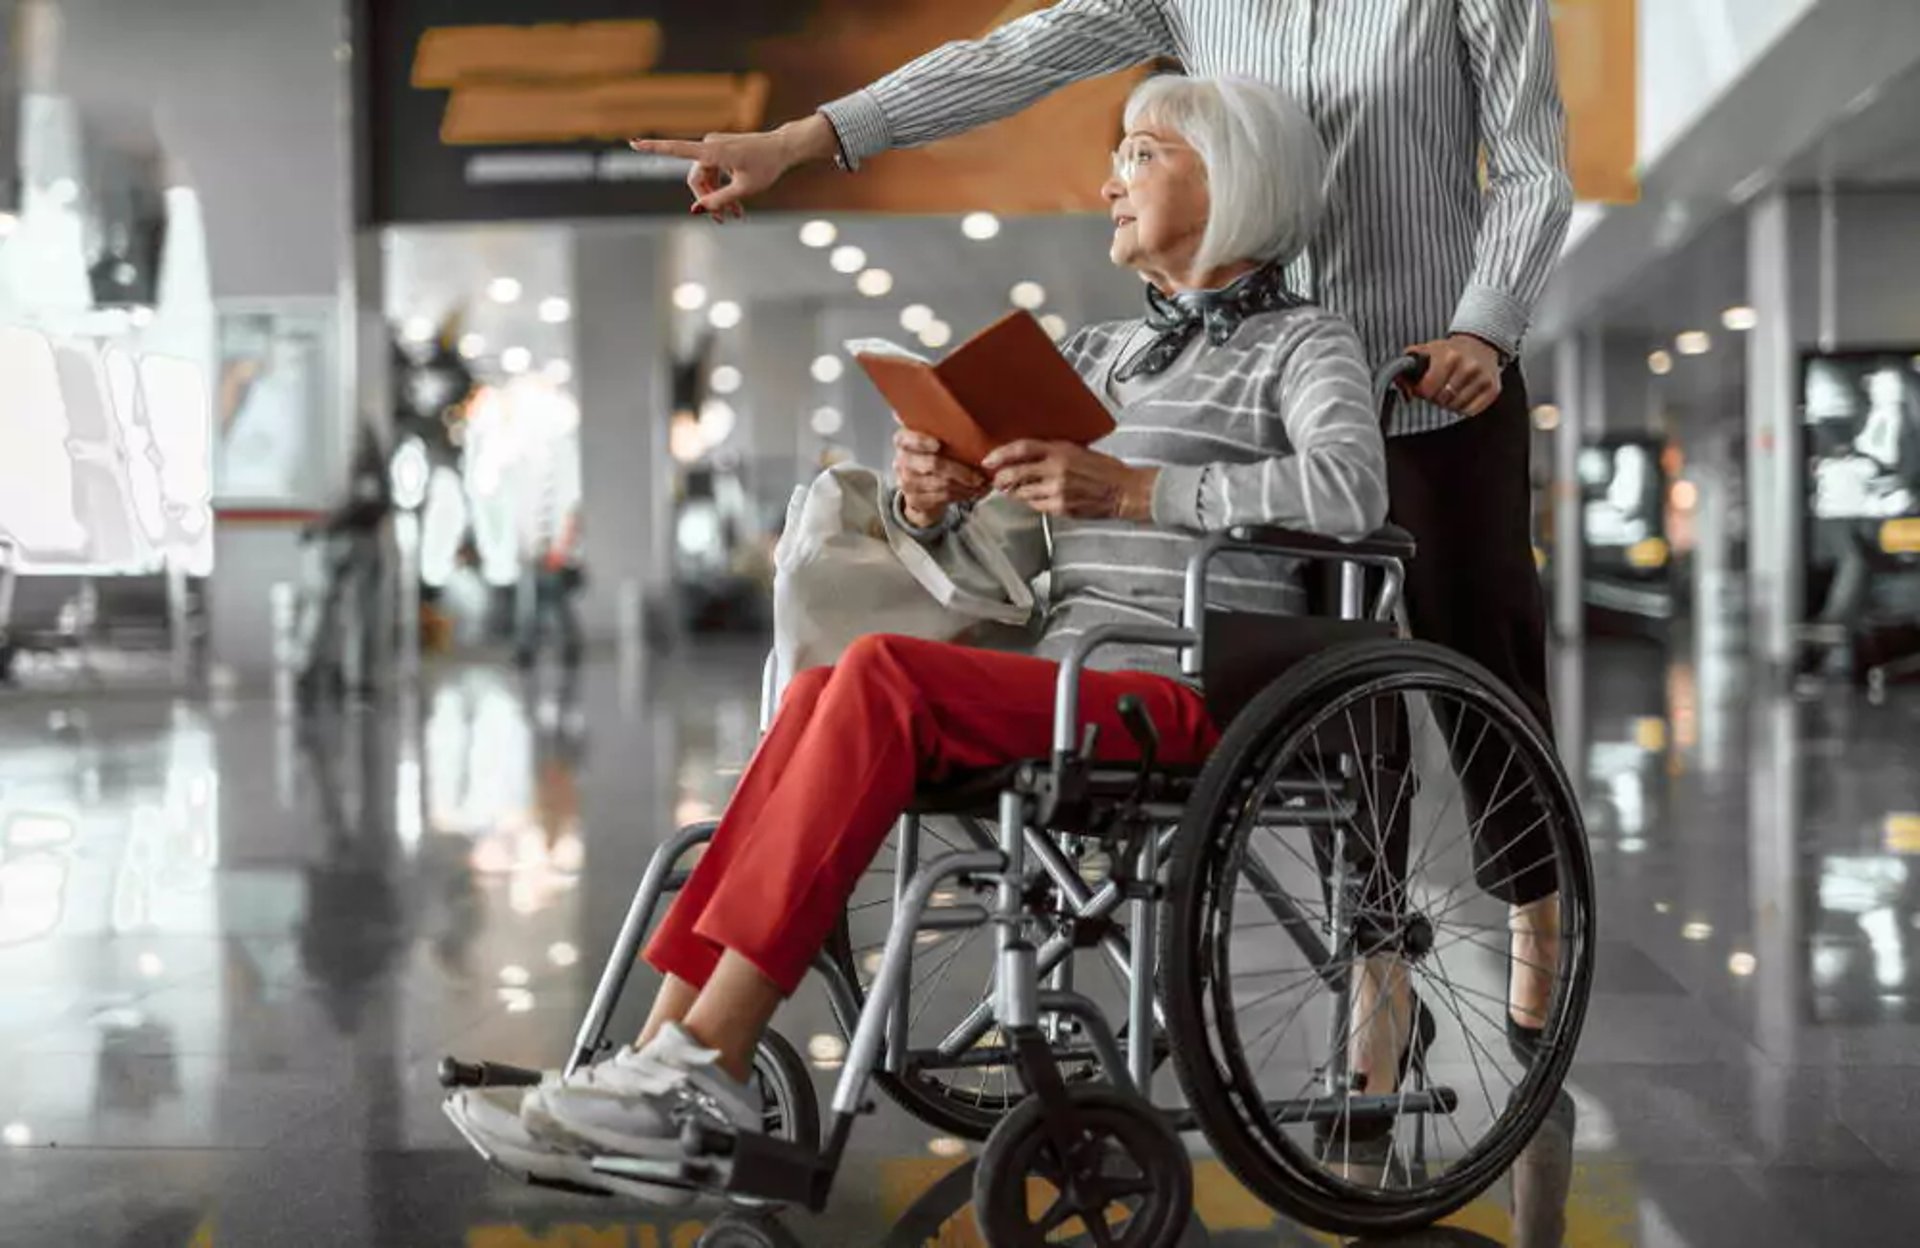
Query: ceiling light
915	317
150	965
472	346
828	369
1740	319
827	1048
418	330
937	334
725	380
514	976
980	226
827	421
1660	363
1697	930
689	296
556	311
874	283
516	360
817	234
847	259
1694	342
1055	325
1742	964
17	1134
503	290
563	953
724	315
717	421
8	223
947	1146
559	372
1546	418
1028	295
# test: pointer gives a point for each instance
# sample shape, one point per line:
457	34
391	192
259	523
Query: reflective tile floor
233	945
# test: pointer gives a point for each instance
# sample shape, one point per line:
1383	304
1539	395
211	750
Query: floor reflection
234	943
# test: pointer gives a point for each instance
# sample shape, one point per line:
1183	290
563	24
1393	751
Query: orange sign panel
1598	46
456	56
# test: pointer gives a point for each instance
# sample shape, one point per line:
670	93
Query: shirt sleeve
966	84
1529	193
1333	481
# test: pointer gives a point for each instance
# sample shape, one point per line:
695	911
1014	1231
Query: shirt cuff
861	124
1176	498
954	518
1493	315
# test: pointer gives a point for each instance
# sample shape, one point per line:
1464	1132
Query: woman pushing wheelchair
1237	404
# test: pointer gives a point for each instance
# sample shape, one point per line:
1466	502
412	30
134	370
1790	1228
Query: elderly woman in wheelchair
1276	799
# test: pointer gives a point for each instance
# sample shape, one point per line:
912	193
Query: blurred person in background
550	530
352	566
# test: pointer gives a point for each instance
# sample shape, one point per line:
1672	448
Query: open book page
883	349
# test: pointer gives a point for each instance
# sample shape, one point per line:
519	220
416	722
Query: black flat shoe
1524	1041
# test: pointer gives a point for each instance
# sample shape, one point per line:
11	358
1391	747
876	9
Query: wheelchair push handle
1409	369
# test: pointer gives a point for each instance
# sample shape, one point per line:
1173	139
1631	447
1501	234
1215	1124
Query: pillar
1577	381
1775	479
622	318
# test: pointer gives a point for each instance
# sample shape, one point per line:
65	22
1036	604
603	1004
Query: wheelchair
1332	883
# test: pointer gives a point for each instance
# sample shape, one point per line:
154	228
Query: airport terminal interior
393	482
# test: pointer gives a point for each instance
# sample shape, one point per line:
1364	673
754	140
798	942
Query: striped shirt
1274	426
1406	93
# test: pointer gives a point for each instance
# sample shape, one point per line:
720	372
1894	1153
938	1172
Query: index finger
1026	450
671	147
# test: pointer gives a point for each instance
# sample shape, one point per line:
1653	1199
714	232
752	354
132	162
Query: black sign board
486	110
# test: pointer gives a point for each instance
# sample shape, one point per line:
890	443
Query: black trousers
1465	493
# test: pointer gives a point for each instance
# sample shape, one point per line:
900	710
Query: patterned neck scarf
1175	319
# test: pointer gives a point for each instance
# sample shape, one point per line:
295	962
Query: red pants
841	762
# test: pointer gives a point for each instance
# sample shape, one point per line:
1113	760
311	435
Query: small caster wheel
1127	1170
736	1231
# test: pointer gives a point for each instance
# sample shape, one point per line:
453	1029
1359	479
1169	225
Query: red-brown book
1007	382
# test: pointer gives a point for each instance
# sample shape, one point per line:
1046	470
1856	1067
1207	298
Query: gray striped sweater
1274	426
1406	93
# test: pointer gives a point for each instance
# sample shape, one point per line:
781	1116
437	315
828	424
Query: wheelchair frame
757	1167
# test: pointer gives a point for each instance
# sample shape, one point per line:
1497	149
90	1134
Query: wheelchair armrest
1391	542
1066	695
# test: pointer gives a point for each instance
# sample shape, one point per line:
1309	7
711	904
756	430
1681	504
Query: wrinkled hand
1063	479
1463	374
727	168
929	481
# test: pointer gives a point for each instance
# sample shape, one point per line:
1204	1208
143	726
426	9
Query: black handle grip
1139	724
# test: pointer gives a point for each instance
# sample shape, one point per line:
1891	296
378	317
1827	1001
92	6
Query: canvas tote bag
845	568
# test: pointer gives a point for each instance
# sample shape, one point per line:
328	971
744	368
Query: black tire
734	1231
1289	721
786	1089
1123	1127
963	1108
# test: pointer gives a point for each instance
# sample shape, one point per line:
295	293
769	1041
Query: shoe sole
566	1172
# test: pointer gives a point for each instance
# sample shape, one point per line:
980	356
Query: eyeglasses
1133	156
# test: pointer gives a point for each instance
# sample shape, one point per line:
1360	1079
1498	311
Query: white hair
1266	166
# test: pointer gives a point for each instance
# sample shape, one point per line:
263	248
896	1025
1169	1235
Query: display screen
1623	492
1861	416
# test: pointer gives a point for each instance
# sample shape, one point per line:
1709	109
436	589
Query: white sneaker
634	1103
489	1118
